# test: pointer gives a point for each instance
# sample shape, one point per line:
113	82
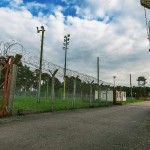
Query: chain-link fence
75	90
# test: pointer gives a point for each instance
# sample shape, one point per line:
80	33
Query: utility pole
66	43
131	87
41	58
98	76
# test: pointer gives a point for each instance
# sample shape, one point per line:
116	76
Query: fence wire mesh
80	88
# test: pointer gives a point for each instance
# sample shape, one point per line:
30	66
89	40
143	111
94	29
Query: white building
104	95
108	95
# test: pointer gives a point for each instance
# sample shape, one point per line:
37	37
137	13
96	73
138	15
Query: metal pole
131	87
65	74
98	75
52	89
100	91
41	58
52	92
66	43
12	89
91	93
114	92
74	92
106	94
47	87
14	70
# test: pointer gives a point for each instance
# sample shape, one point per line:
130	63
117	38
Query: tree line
28	80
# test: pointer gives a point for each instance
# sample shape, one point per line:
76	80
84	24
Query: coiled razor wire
12	48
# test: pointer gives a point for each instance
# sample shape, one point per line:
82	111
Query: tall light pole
98	76
65	47
41	57
148	33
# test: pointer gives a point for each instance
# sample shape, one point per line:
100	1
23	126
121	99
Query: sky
114	31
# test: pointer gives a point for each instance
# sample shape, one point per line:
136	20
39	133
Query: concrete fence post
12	89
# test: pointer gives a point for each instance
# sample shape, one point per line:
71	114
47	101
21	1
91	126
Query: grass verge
45	105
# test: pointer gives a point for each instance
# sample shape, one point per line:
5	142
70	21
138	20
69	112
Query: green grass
134	100
44	105
58	104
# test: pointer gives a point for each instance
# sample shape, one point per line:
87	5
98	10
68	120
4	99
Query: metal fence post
52	89
74	93
13	82
12	89
91	93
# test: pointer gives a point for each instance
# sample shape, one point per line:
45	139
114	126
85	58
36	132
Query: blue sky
112	30
47	6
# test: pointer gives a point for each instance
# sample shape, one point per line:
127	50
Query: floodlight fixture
42	27
38	31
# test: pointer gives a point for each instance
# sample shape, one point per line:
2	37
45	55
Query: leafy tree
25	78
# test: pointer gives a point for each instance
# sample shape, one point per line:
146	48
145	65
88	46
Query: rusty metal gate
6	64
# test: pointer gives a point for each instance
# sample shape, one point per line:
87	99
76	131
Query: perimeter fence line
81	89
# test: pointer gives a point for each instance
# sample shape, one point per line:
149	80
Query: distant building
104	95
120	96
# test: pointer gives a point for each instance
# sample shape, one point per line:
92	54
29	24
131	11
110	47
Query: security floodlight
38	30
42	27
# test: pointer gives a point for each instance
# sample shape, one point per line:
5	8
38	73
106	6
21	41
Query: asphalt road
112	128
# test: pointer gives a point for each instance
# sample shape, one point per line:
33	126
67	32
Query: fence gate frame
6	65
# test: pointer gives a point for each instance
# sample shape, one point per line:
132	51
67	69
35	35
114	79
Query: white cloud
121	44
15	3
35	5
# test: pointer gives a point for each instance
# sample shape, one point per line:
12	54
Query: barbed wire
32	61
